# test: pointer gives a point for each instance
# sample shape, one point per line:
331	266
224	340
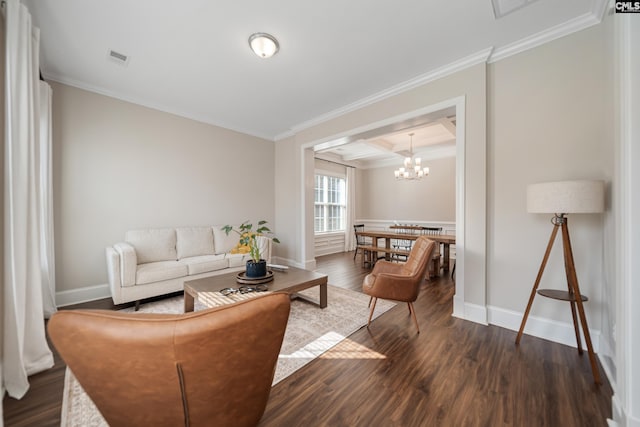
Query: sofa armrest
113	275
128	263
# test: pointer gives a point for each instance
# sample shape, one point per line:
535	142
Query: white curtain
24	346
45	189
349	237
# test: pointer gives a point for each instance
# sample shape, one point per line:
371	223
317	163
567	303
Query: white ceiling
192	57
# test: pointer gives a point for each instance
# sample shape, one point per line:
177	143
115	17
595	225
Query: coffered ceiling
436	139
192	57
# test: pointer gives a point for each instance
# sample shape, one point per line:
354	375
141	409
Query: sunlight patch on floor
347	349
352	350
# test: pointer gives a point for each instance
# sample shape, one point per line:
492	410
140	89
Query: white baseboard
286	261
468	311
310	264
77	296
552	330
475	313
611	423
608	364
328	250
619	416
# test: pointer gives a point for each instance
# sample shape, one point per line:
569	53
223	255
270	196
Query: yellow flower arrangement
243	246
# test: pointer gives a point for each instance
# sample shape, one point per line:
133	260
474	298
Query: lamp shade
566	197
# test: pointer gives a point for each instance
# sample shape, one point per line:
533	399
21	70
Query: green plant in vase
248	244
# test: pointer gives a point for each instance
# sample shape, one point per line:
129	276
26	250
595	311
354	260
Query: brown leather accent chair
209	368
400	281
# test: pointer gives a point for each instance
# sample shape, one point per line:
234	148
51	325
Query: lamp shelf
560	295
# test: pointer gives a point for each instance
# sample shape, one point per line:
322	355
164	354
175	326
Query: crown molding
163	108
454	67
489	55
571	26
600	7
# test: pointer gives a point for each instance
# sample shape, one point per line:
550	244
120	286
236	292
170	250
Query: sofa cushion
223	243
237	260
158	271
194	241
157	244
204	264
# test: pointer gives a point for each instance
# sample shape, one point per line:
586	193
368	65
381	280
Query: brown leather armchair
400	282
209	368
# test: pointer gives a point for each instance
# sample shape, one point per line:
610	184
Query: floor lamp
560	199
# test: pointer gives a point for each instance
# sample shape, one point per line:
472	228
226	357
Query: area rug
310	332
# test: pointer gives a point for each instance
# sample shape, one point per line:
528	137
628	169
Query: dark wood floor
454	373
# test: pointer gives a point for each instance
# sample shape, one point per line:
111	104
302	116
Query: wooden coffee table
290	281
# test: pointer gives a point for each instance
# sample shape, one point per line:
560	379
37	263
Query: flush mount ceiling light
264	45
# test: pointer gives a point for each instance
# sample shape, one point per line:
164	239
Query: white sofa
158	261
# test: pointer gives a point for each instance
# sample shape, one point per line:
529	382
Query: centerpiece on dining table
256	267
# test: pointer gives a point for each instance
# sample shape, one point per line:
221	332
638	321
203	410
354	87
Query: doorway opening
400	123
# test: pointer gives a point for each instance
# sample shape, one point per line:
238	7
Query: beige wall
288	191
431	199
120	166
549	119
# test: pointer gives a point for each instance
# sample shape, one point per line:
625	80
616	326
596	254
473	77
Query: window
330	204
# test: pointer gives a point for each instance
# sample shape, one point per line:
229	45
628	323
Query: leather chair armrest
128	263
395	287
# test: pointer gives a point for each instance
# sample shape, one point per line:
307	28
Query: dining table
387	236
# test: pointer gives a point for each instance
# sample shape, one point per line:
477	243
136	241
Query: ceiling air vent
504	7
117	57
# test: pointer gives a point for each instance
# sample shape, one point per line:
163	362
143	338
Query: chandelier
412	168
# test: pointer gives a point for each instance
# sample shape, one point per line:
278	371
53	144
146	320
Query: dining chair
212	367
400	281
431	231
363	245
402	244
436	258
